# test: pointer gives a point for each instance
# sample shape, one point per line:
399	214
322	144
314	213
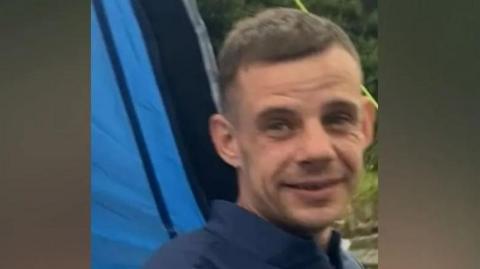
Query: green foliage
218	16
367	195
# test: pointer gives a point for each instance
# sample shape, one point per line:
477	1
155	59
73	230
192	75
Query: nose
316	149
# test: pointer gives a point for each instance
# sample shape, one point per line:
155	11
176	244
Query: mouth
314	184
315	189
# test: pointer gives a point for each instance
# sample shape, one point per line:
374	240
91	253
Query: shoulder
184	252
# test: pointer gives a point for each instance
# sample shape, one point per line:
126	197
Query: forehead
331	76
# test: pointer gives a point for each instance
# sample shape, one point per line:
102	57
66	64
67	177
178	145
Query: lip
314	189
314	183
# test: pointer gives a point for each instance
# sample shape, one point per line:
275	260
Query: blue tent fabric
151	160
115	198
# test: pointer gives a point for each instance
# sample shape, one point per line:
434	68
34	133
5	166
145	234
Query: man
294	125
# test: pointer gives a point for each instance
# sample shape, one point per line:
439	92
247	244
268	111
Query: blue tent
153	168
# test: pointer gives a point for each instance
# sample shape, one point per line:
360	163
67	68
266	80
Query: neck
322	238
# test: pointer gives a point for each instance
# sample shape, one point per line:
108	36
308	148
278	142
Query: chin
318	218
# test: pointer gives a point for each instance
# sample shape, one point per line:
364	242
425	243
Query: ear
369	114
224	139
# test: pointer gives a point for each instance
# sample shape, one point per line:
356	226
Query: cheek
350	152
267	162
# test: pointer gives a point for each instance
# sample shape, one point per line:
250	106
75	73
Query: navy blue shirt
234	238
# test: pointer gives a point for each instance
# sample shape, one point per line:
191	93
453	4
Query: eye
279	128
339	120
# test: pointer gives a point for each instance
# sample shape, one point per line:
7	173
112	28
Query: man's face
298	138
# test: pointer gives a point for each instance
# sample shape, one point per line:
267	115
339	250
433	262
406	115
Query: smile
314	185
314	190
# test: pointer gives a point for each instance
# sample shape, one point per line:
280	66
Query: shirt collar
266	241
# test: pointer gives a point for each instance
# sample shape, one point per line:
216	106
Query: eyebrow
342	105
274	111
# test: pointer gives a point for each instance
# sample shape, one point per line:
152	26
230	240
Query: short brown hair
275	35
